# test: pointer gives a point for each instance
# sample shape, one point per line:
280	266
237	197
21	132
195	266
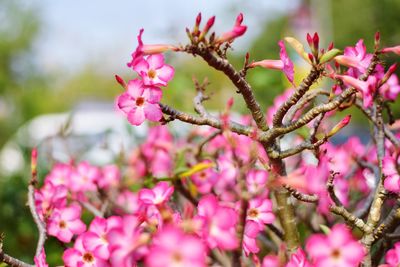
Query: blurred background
58	60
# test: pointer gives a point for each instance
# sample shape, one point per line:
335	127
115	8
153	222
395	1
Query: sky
103	32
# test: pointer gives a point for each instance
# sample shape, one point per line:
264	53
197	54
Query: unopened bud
394	49
239	19
34	156
207	27
331	54
311	57
389	73
309	40
121	81
339	126
377	40
196	31
316	41
330	46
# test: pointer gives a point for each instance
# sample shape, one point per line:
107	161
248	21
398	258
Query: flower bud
389	73
377	40
394	49
330	46
34	156
121	81
196	31
207	27
331	54
339	126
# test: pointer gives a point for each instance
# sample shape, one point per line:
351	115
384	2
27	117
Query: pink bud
309	40
330	46
268	64
311	57
229	103
339	126
34	156
394	49
377	39
198	19
239	19
120	81
389	73
209	24
316	41
158	48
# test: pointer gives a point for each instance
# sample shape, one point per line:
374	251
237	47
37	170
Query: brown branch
210	121
301	147
240	83
13	261
300	91
301	196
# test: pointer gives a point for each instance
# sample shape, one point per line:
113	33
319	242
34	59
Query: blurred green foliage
25	92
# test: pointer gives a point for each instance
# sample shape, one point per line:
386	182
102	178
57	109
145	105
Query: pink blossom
95	239
173	248
153	70
217	223
110	176
355	58
50	197
367	88
40	260
142	50
205	179
237	31
256	181
284	64
139	102
271	261
80	256
392	180
337	249
128	202
391	88
84	178
278	101
392	257
251	231
158	195
260	211
66	222
127	242
60	174
298	259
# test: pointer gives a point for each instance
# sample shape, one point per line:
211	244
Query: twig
301	196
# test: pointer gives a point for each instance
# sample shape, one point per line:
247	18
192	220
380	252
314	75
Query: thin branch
300	91
301	196
13	261
301	147
240	83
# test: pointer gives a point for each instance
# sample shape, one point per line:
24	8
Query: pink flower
238	30
392	180
260	211
143	50
298	259
205	179
80	256
338	249
366	88
60	174
256	181
66	222
153	70
391	88
217	224
172	248
40	261
127	242
392	257
284	64
158	195
128	202
271	261
110	178
84	178
50	197
251	231
95	239
140	102
355	58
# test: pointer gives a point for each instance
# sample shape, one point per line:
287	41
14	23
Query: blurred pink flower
173	248
337	249
80	256
40	261
392	257
260	211
298	259
66	222
217	223
84	177
367	88
392	180
251	231
158	195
